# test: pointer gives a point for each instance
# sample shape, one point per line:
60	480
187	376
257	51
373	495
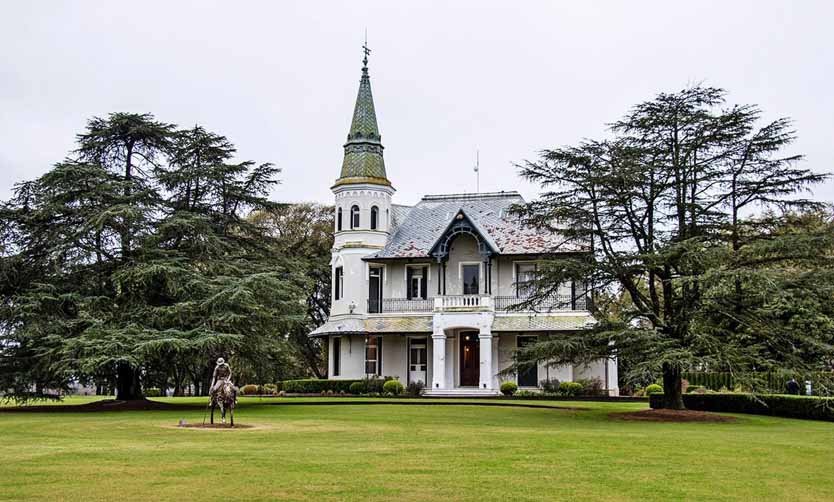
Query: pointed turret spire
363	162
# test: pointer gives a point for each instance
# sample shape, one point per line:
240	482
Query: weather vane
365	49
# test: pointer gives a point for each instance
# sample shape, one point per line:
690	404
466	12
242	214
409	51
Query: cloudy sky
508	78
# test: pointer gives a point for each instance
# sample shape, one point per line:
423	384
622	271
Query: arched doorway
469	359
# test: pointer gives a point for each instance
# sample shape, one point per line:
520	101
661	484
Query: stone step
461	392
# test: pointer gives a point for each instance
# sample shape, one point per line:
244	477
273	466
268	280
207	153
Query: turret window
339	220
354	216
338	283
374	217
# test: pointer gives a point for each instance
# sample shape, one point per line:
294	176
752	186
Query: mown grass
420	452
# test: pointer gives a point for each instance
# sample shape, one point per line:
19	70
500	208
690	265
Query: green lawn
396	452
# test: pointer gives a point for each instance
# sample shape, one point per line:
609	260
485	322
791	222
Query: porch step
461	392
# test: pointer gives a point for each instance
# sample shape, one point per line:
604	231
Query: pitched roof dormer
463	224
363	161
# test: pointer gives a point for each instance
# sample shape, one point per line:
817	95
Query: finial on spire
366	50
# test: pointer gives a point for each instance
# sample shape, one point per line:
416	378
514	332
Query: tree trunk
128	386
672	387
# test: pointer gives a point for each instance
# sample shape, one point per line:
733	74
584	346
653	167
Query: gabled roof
490	213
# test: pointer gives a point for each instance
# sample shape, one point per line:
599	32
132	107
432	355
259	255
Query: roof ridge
482	195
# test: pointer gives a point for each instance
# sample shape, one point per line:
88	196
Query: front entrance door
469	360
528	377
417	360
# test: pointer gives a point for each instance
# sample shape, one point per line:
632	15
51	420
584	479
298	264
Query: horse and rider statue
223	393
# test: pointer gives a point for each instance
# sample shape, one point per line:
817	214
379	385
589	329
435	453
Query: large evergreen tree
674	211
136	254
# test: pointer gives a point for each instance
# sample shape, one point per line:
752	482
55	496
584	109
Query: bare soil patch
215	427
662	415
103	405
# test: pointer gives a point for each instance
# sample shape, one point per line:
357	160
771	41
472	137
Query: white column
438	374
495	367
486	373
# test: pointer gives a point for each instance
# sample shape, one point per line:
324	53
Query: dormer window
354	216
339	220
374	217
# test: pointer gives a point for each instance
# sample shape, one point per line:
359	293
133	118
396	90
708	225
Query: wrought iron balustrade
545	304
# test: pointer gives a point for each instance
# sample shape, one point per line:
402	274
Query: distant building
423	293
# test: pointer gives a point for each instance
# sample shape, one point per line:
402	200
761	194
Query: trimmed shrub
415	389
550	386
393	387
269	389
153	392
590	387
315	386
249	390
509	388
777	405
653	389
356	388
570	388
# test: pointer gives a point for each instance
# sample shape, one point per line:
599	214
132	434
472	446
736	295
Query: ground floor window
528	377
373	355
337	356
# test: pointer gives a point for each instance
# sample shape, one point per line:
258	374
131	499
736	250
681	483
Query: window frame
339	219
355	218
338	283
337	355
377	360
374	217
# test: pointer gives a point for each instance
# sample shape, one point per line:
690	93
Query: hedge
316	386
807	407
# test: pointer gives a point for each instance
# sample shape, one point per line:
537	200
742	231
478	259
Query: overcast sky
508	78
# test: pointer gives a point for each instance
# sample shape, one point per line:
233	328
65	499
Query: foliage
509	388
153	392
269	389
415	389
591	387
550	386
692	215
808	407
393	387
317	386
133	260
653	389
249	390
570	388
356	388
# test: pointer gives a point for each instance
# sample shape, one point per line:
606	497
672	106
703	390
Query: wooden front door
469	359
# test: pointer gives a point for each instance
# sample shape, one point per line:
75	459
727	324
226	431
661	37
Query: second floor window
375	290
374	217
354	217
416	278
525	283
471	279
338	283
339	220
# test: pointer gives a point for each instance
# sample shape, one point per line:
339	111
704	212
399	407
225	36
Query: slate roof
363	161
375	325
490	212
540	322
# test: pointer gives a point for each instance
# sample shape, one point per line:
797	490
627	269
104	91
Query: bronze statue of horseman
223	393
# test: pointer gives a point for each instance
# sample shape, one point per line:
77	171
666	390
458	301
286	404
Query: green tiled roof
363	162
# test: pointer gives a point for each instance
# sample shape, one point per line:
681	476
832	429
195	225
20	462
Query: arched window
339	220
374	217
354	216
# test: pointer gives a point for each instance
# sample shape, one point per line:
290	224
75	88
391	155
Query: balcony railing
465	303
546	304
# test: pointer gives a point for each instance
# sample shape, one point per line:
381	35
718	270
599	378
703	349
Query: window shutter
409	273
424	292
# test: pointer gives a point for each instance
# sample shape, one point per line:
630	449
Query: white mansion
424	292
